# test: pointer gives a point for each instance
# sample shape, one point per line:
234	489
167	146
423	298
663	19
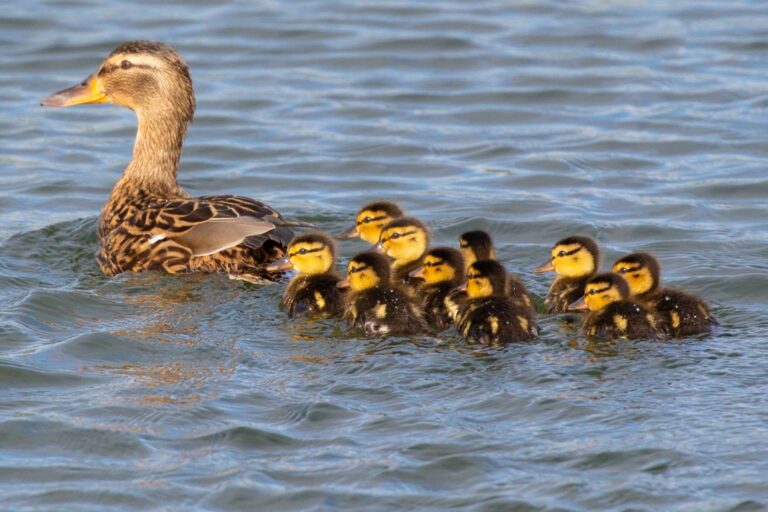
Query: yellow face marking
369	224
380	311
638	277
620	322
478	286
600	295
310	257
319	300
572	260
405	244
361	277
436	270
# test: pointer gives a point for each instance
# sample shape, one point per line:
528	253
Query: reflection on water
639	123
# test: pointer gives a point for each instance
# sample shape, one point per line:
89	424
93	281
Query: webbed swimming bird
405	240
611	312
489	316
149	222
682	313
575	260
442	270
371	219
314	290
374	304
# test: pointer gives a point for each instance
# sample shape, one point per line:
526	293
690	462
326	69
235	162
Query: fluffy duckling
376	306
575	260
489	316
612	314
682	313
313	290
441	272
405	240
478	245
371	219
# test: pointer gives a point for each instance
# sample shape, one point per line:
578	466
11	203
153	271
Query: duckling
682	313
442	271
149	222
371	219
478	245
405	240
376	306
612	314
489	316
313	290
575	260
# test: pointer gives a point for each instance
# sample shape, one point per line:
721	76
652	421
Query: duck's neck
156	154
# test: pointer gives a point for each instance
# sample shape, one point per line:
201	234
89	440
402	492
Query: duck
404	240
489	316
313	291
441	272
682	313
371	219
374	304
478	245
575	260
611	313
149	222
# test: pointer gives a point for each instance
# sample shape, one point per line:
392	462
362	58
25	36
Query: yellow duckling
478	245
575	260
612	314
374	305
149	222
489	316
314	290
441	272
371	219
405	240
682	313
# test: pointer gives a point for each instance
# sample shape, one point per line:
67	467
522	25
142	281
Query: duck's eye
126	64
394	236
302	251
561	254
623	270
367	220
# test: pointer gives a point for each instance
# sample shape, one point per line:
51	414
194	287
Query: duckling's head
575	256
405	240
366	270
440	265
370	219
641	271
311	253
476	245
486	278
601	291
147	77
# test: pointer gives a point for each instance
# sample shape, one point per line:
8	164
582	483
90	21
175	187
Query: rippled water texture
642	123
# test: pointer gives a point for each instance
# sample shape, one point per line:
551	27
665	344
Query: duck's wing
209	224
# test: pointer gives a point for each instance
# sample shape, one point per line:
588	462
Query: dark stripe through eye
305	251
601	290
369	219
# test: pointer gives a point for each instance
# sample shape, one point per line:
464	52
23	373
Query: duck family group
403	286
150	223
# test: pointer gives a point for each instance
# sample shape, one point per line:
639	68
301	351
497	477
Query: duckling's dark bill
279	266
579	305
350	232
87	92
544	267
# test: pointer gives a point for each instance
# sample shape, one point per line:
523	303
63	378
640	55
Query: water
639	123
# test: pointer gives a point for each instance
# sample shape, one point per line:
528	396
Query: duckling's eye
561	253
126	64
367	220
623	270
303	251
394	236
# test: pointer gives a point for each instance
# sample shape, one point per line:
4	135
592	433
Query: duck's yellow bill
89	91
547	266
579	305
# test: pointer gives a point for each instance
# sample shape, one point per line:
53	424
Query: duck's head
485	278
476	245
366	270
601	291
440	265
309	253
405	240
575	256
147	77
370	219
641	271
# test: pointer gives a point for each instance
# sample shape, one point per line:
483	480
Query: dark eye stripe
573	251
307	251
601	290
366	220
